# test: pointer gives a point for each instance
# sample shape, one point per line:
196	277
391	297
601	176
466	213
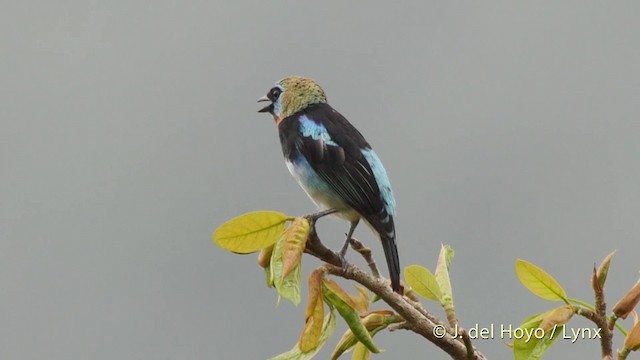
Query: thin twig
399	326
366	254
606	339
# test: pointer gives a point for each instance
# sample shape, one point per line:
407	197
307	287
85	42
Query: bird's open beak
268	108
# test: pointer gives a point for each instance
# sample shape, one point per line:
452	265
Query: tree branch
417	319
606	338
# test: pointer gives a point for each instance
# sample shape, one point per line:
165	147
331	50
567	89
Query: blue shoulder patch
314	130
382	179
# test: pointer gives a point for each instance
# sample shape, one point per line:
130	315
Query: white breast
319	192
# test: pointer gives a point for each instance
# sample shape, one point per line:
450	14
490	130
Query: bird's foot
343	253
343	262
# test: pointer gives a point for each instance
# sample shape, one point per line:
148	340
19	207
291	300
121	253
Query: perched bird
333	162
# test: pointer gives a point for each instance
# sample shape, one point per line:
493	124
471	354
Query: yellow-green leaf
539	282
350	316
530	341
328	328
314	316
373	322
250	232
268	276
295	239
444	282
310	336
422	281
360	352
603	269
361	300
315	290
288	287
264	257
340	292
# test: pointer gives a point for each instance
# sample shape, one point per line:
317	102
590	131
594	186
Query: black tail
383	224
393	262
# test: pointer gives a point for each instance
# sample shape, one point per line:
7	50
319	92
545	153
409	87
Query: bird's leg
343	251
320	214
314	217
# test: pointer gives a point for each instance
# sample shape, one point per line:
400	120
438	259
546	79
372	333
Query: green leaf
350	316
339	292
603	269
250	232
444	282
360	352
328	328
374	322
268	276
289	286
423	282
531	341
539	282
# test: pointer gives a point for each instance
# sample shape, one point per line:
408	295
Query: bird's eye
275	92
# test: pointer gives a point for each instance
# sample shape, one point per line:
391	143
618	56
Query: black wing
339	161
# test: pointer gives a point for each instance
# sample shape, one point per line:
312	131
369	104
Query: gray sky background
129	132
